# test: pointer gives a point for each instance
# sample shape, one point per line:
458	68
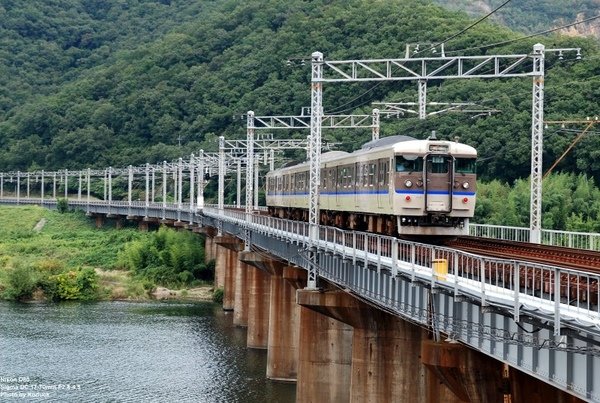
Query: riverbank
119	285
46	255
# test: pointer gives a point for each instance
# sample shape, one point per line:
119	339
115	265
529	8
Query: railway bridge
390	320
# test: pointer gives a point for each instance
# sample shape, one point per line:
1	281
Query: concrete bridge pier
220	264
324	358
472	376
143	226
475	377
240	304
283	322
526	388
229	280
99	221
259	298
383	356
225	268
210	248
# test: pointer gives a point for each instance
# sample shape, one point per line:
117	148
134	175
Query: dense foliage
59	258
534	15
570	202
190	79
167	257
47	43
66	258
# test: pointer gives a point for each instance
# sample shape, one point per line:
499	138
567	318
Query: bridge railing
569	239
564	294
561	294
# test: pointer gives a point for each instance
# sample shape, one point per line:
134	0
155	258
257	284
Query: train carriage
395	185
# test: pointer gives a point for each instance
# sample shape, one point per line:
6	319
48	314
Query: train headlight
465	185
408	184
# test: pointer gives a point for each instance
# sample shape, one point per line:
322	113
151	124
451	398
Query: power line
472	25
439	44
338	110
525	37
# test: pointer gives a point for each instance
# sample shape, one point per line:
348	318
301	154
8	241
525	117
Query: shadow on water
131	352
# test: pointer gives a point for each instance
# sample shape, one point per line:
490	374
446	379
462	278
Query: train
396	185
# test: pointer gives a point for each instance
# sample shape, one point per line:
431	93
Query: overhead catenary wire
491	45
439	44
340	110
470	26
444	41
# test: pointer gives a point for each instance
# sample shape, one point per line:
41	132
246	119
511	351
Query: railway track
564	257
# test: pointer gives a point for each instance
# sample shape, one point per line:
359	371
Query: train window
385	173
437	164
371	174
382	172
465	165
409	164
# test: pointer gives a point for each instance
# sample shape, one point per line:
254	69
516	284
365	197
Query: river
130	352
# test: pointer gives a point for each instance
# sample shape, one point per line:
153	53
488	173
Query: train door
438	183
357	182
337	186
381	197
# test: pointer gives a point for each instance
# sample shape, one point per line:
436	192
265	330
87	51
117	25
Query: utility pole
444	68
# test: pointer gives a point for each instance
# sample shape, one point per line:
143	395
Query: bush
22	282
62	205
218	295
167	257
81	284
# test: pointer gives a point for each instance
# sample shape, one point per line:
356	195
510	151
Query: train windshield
465	165
409	163
438	164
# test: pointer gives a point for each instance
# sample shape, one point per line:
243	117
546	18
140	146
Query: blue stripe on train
384	192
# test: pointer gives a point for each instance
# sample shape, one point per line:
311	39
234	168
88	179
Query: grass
70	239
67	242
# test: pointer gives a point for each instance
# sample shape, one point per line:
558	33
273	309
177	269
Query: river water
130	352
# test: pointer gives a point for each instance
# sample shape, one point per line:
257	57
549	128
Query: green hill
187	72
534	15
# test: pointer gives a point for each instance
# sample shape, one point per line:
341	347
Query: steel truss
439	68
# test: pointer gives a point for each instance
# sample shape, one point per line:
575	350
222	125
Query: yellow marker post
440	269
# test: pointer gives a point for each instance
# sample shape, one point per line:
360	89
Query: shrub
62	205
218	295
167	257
81	284
21	283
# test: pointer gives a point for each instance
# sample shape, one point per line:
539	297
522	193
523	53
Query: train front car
434	187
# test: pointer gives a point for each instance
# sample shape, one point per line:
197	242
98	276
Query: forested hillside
45	43
534	15
93	83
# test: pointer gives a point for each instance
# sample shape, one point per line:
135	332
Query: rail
564	295
569	239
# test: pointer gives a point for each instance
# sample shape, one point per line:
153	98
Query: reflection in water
130	352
